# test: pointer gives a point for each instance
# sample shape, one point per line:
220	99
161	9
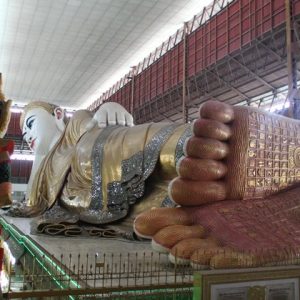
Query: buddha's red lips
32	144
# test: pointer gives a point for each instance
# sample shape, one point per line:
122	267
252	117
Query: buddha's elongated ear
59	115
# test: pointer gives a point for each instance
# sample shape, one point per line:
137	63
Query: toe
211	129
201	169
167	237
233	259
183	250
218	111
150	222
201	257
191	193
206	148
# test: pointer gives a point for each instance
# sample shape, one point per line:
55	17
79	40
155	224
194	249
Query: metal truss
255	70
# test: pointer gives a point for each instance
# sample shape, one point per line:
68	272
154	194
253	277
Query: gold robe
100	175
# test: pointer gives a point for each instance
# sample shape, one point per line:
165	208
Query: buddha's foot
228	234
237	153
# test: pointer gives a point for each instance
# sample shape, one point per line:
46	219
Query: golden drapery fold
100	174
50	176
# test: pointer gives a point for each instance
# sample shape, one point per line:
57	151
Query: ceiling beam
258	78
226	83
277	56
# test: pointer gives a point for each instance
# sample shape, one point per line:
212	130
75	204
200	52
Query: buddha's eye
30	124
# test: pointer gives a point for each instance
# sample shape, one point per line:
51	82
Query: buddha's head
42	123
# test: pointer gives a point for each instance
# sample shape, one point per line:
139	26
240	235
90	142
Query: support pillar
132	90
294	109
184	73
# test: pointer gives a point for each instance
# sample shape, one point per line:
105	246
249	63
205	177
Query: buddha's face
39	130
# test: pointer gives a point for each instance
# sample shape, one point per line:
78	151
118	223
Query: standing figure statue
231	179
6	149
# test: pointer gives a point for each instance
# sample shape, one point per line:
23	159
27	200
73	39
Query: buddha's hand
109	114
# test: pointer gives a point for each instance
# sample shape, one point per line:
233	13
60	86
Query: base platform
108	268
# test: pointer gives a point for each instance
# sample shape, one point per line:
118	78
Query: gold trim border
257	274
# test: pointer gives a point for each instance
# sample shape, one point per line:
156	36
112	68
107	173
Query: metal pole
184	108
291	63
132	90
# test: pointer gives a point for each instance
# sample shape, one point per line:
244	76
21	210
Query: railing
140	275
30	272
107	276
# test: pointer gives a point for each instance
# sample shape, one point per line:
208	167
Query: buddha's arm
35	166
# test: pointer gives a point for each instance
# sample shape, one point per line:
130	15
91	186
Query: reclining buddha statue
221	192
96	174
